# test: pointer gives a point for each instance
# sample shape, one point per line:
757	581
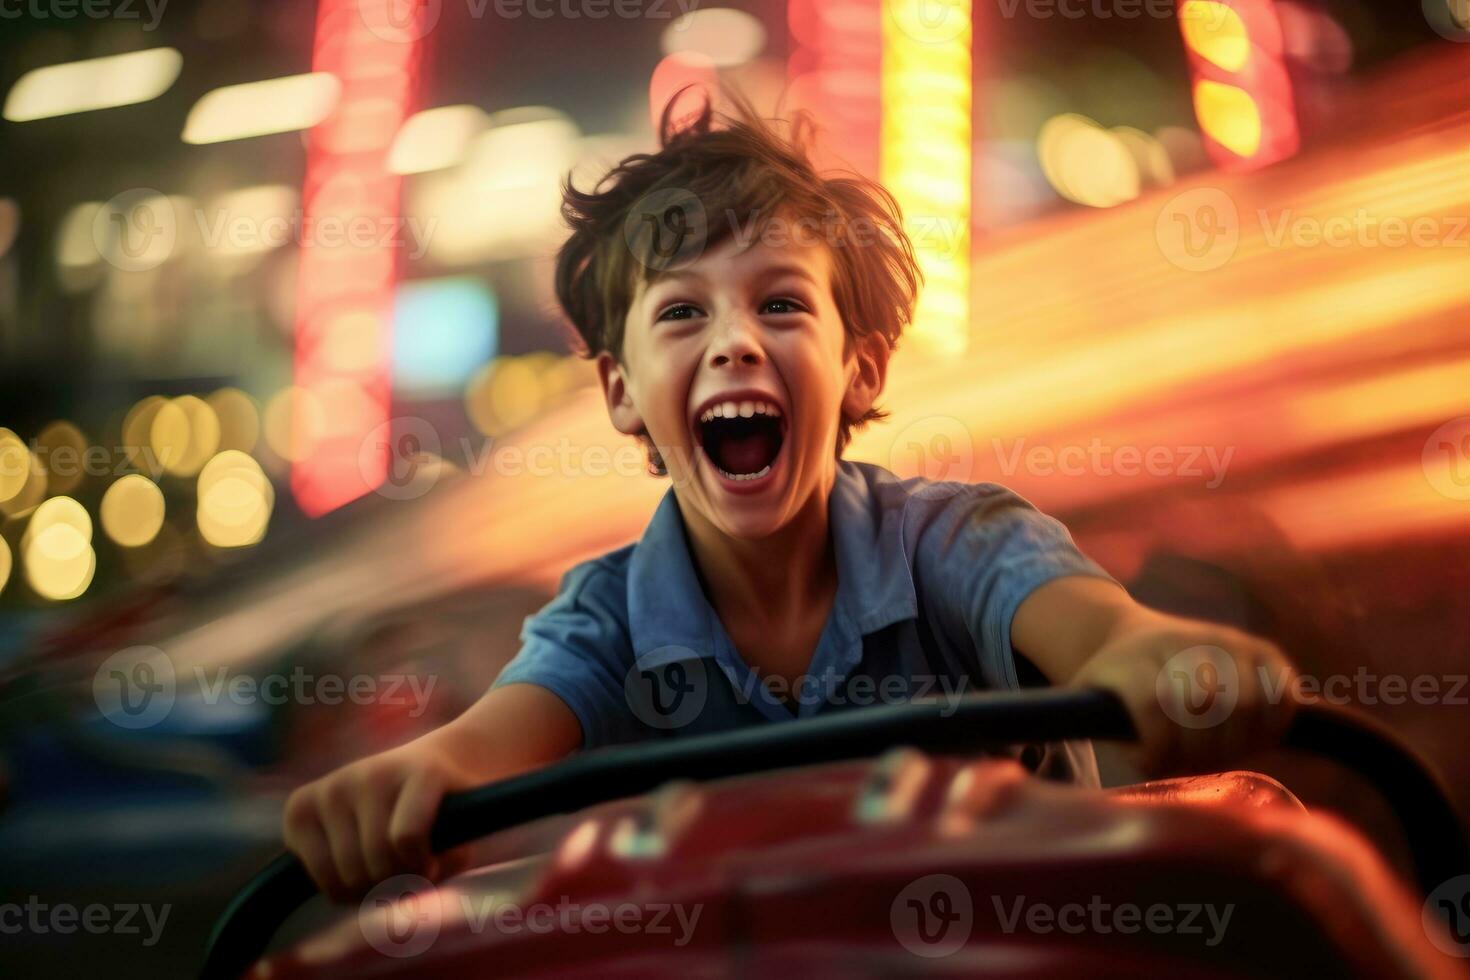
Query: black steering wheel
1436	837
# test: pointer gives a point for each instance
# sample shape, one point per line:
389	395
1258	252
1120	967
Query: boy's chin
746	509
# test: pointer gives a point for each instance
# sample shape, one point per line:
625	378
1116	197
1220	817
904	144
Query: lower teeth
748	476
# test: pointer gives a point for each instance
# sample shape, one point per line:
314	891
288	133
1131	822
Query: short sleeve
577	648
981	552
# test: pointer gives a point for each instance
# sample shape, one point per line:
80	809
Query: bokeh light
277	105
97	83
293	422
1086	163
725	36
239	419
63	448
57	548
504	394
235	500
184	434
132	511
15	465
436	139
31	473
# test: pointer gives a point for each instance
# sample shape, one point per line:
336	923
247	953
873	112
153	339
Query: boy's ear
867	373
620	408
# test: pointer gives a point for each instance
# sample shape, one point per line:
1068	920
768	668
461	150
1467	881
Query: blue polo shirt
929	577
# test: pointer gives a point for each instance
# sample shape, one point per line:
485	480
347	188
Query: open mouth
742	438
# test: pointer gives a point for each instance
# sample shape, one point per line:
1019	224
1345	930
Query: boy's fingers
341	826
306	838
413	819
372	830
1135	686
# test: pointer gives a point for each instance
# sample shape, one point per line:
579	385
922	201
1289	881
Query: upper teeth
730	410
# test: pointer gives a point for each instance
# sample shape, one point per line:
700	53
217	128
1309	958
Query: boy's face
738	368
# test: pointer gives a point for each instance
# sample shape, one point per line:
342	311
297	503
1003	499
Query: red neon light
348	264
1263	77
836	72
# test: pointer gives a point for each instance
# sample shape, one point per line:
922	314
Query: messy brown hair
747	171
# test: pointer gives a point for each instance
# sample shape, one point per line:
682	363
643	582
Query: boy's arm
1199	693
371	819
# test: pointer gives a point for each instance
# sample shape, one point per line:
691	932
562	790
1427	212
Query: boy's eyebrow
786	268
772	271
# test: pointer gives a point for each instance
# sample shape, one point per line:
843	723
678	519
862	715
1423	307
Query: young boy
741	310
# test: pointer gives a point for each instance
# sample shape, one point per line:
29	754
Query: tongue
746	454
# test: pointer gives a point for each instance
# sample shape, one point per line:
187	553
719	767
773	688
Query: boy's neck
773	579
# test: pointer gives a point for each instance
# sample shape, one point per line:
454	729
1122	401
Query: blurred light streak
276	105
726	36
436	139
5	564
836	73
241	226
347	178
1359	508
504	201
97	83
926	158
1243	95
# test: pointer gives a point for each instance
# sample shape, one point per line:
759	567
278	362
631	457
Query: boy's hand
370	820
1199	694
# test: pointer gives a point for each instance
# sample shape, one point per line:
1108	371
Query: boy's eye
679	311
782	305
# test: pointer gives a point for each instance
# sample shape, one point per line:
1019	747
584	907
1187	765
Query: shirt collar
668	614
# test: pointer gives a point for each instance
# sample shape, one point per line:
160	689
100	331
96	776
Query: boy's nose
735	343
